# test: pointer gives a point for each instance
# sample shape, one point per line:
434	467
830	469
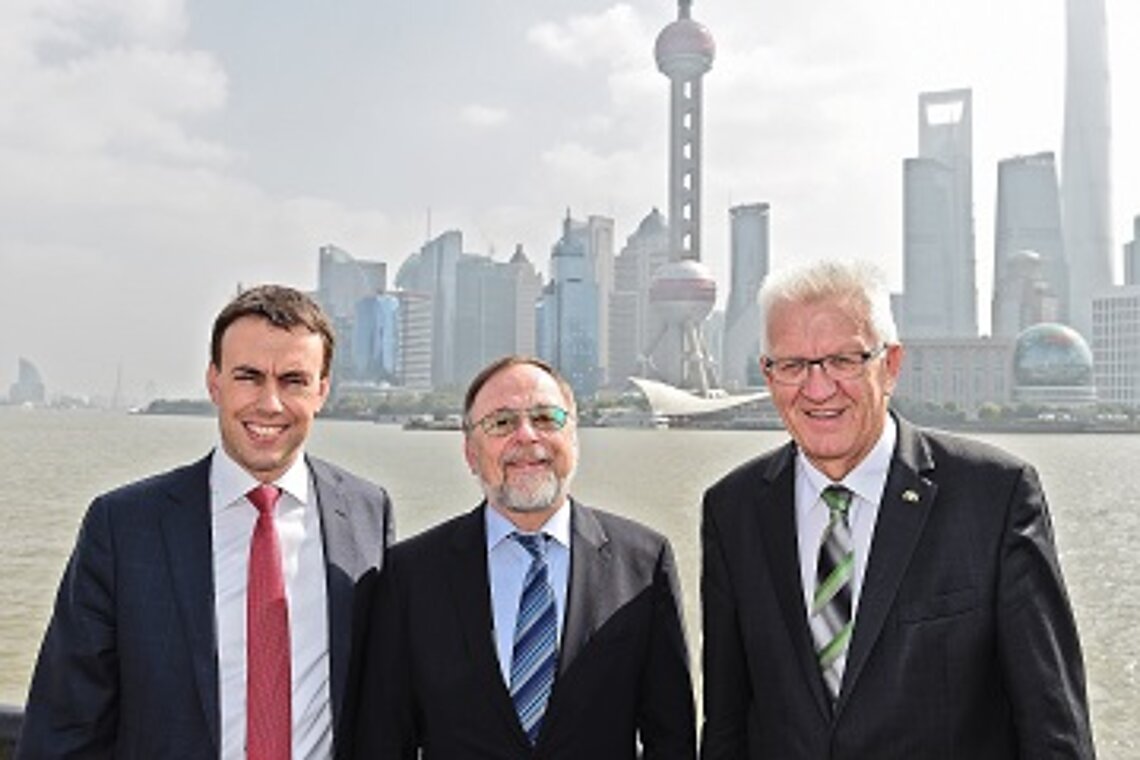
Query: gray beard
536	494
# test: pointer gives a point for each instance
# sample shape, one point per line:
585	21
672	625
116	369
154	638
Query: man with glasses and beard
532	626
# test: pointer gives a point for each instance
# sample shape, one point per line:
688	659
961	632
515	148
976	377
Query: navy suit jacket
128	666
432	681
964	643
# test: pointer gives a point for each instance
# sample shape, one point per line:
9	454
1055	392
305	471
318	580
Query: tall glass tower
1086	198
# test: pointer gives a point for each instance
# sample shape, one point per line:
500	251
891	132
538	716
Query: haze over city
156	154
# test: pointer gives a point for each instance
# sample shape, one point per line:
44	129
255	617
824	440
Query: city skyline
158	156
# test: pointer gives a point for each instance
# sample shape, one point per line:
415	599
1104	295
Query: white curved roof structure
670	401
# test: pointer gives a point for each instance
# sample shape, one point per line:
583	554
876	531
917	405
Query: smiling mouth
263	432
823	414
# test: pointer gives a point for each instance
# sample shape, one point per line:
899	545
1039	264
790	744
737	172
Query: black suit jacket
433	682
128	667
964	643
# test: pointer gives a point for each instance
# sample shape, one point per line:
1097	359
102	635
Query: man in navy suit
870	589
449	670
147	652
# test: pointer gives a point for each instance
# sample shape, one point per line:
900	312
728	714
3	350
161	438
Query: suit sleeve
73	701
385	721
667	721
1038	643
727	692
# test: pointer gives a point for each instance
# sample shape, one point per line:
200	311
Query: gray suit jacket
128	666
964	643
432	680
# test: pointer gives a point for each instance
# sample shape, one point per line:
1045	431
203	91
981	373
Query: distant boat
428	422
631	418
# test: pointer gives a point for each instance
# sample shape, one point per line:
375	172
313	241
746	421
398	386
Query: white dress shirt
302	553
507	563
866	482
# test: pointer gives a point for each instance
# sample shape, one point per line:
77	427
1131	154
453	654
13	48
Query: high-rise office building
432	271
1132	255
684	291
342	280
596	236
495	310
1116	345
740	362
645	251
1086	202
29	385
939	282
568	314
391	340
1030	271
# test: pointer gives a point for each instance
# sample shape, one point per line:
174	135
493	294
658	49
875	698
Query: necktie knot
838	501
534	543
264	497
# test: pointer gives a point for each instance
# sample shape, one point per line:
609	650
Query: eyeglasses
848	365
503	422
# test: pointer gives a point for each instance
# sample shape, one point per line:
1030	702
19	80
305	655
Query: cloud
616	37
483	116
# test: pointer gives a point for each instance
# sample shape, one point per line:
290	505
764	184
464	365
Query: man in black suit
872	590
148	651
449	671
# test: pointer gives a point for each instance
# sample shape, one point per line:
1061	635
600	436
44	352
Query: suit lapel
776	528
470	587
343	560
588	605
187	539
906	503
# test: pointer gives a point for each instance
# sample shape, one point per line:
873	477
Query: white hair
855	282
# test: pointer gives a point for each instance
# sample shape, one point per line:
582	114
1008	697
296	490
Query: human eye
547	417
788	367
500	423
846	365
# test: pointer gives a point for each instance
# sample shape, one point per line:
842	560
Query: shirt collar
869	478
230	482
499	528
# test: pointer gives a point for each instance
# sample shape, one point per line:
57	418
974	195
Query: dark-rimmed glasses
847	365
503	422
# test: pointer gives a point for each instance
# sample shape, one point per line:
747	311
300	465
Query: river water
54	462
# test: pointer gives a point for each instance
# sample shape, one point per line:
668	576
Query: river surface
54	462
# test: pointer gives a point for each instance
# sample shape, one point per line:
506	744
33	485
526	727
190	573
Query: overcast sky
156	153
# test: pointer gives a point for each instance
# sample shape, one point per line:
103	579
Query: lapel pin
910	496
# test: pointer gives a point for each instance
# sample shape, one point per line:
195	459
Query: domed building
1053	366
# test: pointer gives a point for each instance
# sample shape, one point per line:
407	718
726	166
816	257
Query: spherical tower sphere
684	49
1052	355
683	291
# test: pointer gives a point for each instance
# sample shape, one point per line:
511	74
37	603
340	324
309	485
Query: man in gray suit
870	589
211	611
532	626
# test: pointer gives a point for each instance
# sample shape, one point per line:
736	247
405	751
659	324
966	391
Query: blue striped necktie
830	618
535	653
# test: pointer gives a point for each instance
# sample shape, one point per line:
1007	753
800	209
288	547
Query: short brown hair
282	307
512	360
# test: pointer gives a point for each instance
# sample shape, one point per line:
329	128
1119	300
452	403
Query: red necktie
268	683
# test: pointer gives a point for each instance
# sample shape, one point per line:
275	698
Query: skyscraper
568	314
1086	202
1030	271
939	283
740	362
432	271
684	291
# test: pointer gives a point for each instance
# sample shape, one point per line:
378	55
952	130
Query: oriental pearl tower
683	292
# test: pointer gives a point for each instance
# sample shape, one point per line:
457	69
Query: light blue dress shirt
507	563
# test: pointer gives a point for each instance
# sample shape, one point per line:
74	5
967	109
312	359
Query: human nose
269	397
525	428
817	384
